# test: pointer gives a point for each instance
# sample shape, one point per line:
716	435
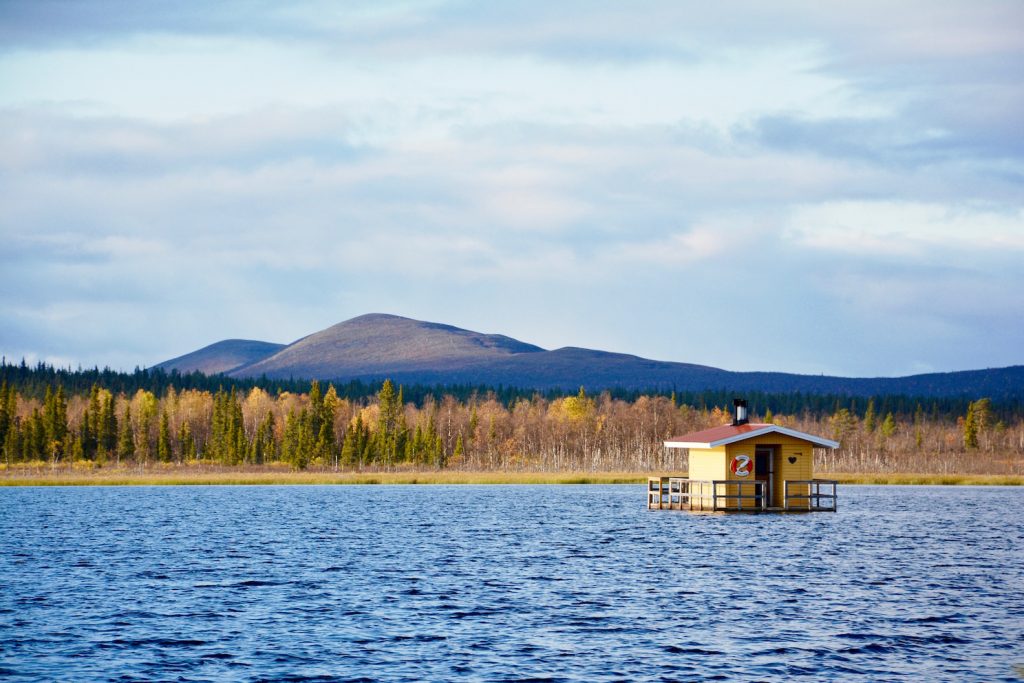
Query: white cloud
412	96
676	250
906	229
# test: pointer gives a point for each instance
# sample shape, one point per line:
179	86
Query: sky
747	185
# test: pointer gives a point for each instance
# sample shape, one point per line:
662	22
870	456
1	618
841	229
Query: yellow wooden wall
715	464
789	447
708	464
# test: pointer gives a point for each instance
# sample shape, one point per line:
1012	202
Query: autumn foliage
320	430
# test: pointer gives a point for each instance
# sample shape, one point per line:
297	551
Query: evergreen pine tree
305	445
85	449
12	443
76	451
55	421
401	426
366	446
108	424
28	439
261	448
6	418
270	451
888	426
144	423
187	442
325	443
474	422
215	445
10	402
53	449
237	435
38	443
386	442
163	443
970	428
95	416
869	417
412	446
349	448
316	416
983	419
126	436
289	439
459	451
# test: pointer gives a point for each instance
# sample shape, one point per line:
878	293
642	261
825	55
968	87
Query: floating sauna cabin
744	467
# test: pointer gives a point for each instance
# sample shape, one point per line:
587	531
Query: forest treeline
32	381
321	428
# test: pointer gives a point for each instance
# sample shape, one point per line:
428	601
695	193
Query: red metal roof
716	433
726	434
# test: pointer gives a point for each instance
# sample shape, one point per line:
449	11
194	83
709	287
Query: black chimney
739	412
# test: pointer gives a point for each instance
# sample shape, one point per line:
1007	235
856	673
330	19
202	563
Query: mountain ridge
221	357
377	345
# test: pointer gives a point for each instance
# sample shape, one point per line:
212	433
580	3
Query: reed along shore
187	475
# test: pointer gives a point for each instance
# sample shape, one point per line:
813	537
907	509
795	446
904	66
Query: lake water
542	583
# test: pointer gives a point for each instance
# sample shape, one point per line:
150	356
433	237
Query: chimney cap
739	412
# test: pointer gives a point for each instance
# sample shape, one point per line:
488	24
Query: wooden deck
680	493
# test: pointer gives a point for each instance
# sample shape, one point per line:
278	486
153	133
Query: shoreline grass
251	478
193	476
921	479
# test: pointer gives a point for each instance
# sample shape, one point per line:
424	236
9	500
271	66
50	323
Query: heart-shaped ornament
792	460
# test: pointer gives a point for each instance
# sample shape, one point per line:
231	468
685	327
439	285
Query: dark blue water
505	583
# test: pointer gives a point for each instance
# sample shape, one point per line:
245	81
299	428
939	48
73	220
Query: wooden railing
680	493
816	500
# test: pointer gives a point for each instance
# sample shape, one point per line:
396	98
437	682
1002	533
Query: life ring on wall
741	465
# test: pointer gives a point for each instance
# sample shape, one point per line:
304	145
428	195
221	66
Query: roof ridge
726	434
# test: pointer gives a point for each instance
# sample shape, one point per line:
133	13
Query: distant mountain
375	346
222	357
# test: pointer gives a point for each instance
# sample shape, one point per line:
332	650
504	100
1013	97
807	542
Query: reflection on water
507	583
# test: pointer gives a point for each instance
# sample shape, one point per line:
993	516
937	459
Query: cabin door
764	470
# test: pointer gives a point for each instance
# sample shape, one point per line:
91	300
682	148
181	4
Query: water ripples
518	583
